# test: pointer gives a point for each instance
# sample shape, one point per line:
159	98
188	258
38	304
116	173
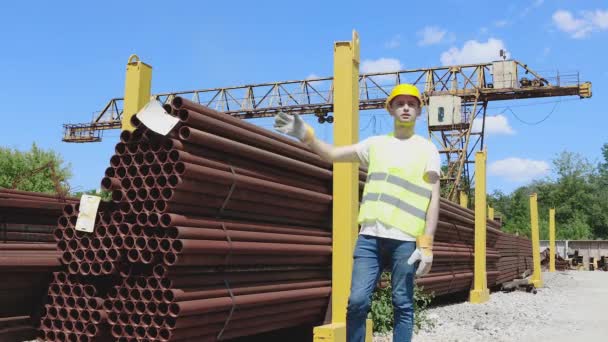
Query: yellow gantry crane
454	97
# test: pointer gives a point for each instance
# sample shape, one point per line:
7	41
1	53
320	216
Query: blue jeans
371	254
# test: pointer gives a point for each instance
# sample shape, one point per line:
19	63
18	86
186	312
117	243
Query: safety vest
395	192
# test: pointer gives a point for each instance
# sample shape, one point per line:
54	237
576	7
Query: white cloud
501	23
370	66
526	10
431	35
599	19
494	125
314	84
577	28
380	65
518	169
581	27
473	52
395	42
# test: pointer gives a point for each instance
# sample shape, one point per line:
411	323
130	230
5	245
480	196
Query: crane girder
475	84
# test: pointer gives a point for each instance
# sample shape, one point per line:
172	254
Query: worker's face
405	110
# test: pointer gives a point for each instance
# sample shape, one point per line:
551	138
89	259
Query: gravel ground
571	306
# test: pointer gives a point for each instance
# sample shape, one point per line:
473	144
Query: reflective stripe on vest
394	201
399	182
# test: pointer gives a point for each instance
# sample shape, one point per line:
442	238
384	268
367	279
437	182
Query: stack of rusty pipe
25	270
27	258
216	231
515	257
453	251
29	216
97	253
176	305
74	312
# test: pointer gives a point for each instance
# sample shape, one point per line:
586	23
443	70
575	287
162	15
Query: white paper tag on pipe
154	116
88	213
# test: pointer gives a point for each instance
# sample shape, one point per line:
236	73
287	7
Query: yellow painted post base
335	332
536	282
479	296
369	330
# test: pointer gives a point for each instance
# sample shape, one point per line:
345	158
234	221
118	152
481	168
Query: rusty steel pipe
251	170
188	277
185	209
189	308
171	259
169	220
196	233
178	184
181	103
214	247
269	322
216	142
189	321
175	295
249	136
213	192
187	170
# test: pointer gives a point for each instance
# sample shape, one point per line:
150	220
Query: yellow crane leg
464	199
346	188
138	84
536	274
480	292
552	240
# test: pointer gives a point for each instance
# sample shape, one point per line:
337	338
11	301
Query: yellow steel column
138	84
480	292
490	213
346	186
552	240
536	275
464	199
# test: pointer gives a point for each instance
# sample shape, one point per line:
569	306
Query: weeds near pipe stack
382	307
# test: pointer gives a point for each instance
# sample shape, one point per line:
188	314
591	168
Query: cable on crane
533	123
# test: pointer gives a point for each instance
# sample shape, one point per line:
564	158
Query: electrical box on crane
444	110
504	74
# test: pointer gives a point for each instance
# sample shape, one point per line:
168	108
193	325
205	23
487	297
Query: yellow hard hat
404	89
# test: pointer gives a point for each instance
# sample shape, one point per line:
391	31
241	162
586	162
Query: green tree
572	195
579	194
599	198
30	170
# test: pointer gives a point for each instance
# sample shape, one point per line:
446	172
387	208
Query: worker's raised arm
294	125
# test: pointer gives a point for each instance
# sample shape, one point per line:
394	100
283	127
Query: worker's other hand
293	125
423	254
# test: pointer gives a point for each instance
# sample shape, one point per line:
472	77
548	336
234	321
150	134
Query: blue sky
62	61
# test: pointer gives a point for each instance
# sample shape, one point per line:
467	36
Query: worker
398	212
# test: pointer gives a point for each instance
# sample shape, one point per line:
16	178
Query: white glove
424	254
293	125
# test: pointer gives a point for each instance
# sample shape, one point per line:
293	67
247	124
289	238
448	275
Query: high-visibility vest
396	193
